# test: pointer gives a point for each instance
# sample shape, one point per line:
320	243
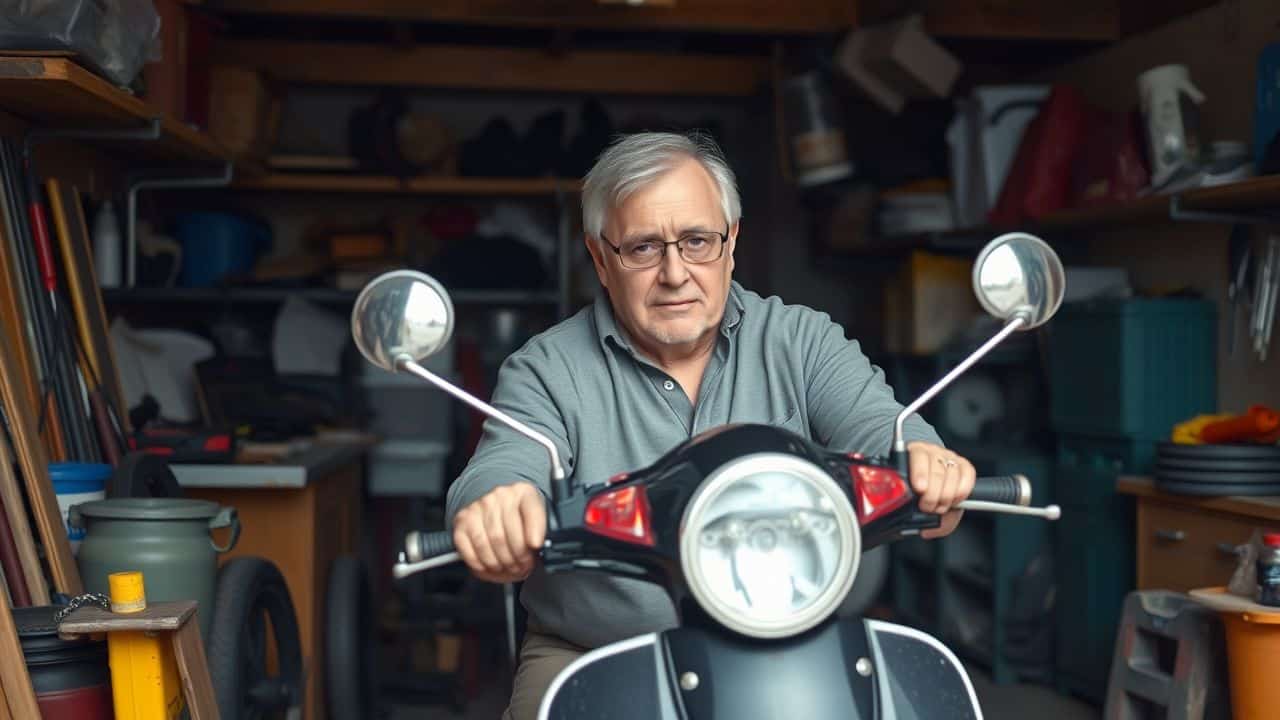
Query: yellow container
144	675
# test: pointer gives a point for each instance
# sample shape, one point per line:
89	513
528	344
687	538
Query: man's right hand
498	536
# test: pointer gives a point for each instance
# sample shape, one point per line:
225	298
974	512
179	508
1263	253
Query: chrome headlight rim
846	523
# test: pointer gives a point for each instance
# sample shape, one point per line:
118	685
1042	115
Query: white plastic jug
1169	100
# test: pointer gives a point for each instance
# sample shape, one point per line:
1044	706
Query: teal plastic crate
1094	567
1088	465
1133	367
1093	554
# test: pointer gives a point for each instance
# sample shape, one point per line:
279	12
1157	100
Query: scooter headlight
769	545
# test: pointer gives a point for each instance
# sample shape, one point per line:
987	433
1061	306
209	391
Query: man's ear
733	242
597	257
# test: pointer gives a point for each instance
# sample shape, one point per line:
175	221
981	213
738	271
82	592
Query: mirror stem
900	445
559	488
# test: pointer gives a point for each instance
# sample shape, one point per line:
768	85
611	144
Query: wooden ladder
178	620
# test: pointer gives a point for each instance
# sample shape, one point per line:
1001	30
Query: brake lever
403	569
1051	512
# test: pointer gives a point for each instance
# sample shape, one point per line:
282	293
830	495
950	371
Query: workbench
300	512
1185	542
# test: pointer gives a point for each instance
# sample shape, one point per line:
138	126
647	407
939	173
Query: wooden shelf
1250	195
196	296
754	16
57	93
1257	193
426	185
466	67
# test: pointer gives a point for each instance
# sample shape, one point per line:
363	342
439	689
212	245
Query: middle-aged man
671	348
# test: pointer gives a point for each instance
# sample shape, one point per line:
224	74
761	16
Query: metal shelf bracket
161	180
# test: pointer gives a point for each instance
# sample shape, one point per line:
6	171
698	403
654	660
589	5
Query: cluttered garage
692	359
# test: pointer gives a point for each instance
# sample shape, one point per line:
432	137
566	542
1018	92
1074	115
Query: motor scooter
754	532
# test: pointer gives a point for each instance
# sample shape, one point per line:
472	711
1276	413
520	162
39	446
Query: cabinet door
1181	548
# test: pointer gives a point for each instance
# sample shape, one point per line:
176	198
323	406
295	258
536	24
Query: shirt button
669	385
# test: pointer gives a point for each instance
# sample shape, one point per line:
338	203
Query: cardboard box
243	110
927	303
897	61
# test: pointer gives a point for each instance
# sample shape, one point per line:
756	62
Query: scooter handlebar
1008	489
423	551
421	545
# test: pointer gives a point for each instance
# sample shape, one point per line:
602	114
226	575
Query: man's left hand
941	479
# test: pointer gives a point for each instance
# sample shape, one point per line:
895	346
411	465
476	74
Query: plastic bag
111	37
1111	167
1039	180
1244	581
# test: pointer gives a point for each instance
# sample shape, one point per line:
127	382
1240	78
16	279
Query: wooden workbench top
292	471
1267	507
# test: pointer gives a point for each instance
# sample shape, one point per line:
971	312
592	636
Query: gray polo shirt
609	410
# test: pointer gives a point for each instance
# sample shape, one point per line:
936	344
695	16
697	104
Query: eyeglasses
695	248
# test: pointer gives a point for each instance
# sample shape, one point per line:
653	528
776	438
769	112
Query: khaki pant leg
542	657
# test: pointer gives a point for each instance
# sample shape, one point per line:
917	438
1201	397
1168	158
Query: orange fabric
1259	424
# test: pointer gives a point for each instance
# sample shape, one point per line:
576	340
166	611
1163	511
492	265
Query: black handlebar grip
422	545
1008	489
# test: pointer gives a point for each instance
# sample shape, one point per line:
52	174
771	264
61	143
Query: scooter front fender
844	670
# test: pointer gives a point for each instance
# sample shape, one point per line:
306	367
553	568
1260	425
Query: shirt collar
607	325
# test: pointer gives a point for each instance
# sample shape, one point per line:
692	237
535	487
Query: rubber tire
350	655
143	475
246	585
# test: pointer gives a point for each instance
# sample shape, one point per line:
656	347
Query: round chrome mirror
403	313
1019	275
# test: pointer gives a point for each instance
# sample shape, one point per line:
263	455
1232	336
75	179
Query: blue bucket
75	483
217	244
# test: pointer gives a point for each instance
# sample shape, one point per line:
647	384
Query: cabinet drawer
1180	548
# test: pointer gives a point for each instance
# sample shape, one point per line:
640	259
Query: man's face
674	305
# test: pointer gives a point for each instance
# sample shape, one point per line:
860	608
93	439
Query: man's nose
673	270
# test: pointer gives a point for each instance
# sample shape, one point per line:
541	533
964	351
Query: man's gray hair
634	161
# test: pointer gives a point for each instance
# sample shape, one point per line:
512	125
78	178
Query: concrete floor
1025	700
998	702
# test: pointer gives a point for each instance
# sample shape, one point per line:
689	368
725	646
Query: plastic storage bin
1095	461
218	244
408	467
983	140
1133	367
1094	554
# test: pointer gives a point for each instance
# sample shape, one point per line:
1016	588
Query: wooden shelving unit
754	16
426	185
1259	194
55	92
333	296
1253	194
500	68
